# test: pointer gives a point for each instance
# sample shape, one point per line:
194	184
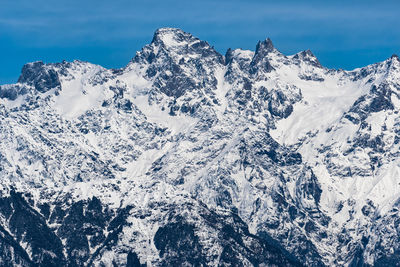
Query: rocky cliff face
188	157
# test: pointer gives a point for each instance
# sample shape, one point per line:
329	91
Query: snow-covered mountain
186	157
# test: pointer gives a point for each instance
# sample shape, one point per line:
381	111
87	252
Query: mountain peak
309	57
265	46
307	53
391	62
175	43
170	37
395	58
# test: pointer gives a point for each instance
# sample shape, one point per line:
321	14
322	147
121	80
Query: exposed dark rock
133	260
11	92
42	77
28	226
178	244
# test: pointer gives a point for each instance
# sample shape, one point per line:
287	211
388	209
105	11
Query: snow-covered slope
189	157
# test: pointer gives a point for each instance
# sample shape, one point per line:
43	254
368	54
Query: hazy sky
342	34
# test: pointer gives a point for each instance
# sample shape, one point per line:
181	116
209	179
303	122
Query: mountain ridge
186	156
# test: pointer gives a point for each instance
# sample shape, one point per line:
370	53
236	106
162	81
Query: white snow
77	95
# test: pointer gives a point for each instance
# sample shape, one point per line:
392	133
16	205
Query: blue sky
342	34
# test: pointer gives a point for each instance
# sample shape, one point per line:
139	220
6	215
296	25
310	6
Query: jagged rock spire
265	46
